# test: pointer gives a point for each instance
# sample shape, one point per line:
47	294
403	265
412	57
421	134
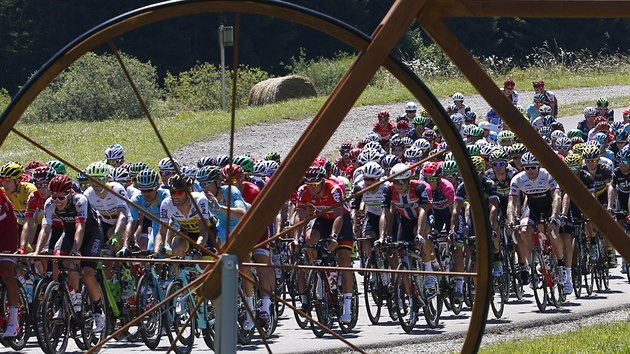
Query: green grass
83	142
602	338
576	108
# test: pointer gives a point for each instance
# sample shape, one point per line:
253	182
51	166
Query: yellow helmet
573	160
12	170
479	163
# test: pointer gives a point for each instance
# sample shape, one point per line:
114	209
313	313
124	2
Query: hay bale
281	89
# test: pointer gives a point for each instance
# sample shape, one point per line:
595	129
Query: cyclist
588	123
543	200
343	161
9	243
533	109
34	213
115	155
11	175
510	93
410	112
82	236
548	97
515	152
318	194
604	111
383	127
458	101
168	168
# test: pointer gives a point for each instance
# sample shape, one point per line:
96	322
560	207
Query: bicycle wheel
469	283
296	299
244	336
354	306
179	311
406	298
91	338
19	342
515	277
372	285
589	272
551	279
318	298
36	312
604	270
268	327
433	303
576	274
497	303
208	332
147	296
56	319
538	280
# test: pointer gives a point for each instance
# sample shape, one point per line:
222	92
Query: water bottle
29	289
128	287
381	263
547	262
332	279
275	259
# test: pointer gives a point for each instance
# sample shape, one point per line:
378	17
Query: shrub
95	88
325	73
199	88
4	99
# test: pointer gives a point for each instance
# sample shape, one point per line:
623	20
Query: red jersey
35	208
249	191
383	132
331	194
9	236
342	166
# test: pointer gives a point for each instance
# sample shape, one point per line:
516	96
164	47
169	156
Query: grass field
83	142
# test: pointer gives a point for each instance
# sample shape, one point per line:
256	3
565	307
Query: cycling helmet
509	83
573	160
407	141
419	120
473	150
190	171
383	115
458	97
578	148
557	126
538	97
402	126
486	150
429	134
136	167
573	133
147	179
413	154
232	171
81	177
529	159
390	160
557	134
590	112
470	117
600	137
259	168
505	135
602	102
372	145
432	169
114	152
616	125
563	143
180	182
343	150
422	144
621	135
372	136
33	165
590	152
443	146
166	164
411	107
315	174
206	161
544	131
499	155
466	130
354	153
479	163
373	170
492	137
451	108
395	142
449	156
59	166
538	83
602	126
457	118
547	120
43	173
271	167
119	175
274	156
222	160
12	170
624	154
97	170
517	149
520	109
245	162
369	155
209	174
545	110
449	167
60	184
626	114
476	132
401	167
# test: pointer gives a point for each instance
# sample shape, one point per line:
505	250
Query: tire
497	303
469	284
406	302
540	285
90	338
179	319
243	336
19	342
296	301
433	304
319	301
589	274
281	291
354	306
56	331
576	274
515	277
208	333
129	312
38	297
150	327
372	286
556	291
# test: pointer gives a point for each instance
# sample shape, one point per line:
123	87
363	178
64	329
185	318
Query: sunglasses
530	168
499	163
113	161
314	184
41	185
563	148
574	168
166	173
591	160
147	191
450	175
59	197
178	192
367	179
431	178
401	182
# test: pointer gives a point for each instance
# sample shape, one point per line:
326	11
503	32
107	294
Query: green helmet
274	156
58	166
505	135
517	149
136	167
602	102
209	174
449	167
97	170
246	163
419	120
476	132
574	133
499	155
473	150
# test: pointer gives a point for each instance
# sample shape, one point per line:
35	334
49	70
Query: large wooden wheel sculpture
374	52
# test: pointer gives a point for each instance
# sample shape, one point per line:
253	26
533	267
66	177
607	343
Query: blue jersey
153	208
236	200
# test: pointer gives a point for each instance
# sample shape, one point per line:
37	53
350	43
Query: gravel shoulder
261	138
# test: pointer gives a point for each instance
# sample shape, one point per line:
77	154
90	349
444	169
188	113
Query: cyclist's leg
344	254
9	243
369	230
266	274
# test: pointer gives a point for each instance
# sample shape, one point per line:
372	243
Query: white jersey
189	223
109	206
372	199
538	191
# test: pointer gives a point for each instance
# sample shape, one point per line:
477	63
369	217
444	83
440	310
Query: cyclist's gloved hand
124	252
113	241
378	242
167	249
420	239
21	250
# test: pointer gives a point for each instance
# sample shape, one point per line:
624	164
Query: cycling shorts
345	238
406	230
92	242
370	223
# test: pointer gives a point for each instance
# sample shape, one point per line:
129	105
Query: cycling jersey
19	200
532	112
249	191
330	195
408	203
443	196
189	223
372	198
489	190
621	183
503	187
538	191
9	236
341	165
35	208
259	182
236	200
109	206
385	132
602	176
583	126
548	99
153	208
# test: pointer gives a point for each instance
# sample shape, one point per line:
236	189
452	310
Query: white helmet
458	97
114	152
373	170
400	167
557	134
422	144
544	110
457	118
528	159
590	111
411	107
167	165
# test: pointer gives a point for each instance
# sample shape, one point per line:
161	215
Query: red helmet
383	115
60	184
602	126
346	147
402	125
599	119
432	169
33	165
509	83
538	83
626	113
320	161
232	171
354	153
362	143
315	174
44	173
